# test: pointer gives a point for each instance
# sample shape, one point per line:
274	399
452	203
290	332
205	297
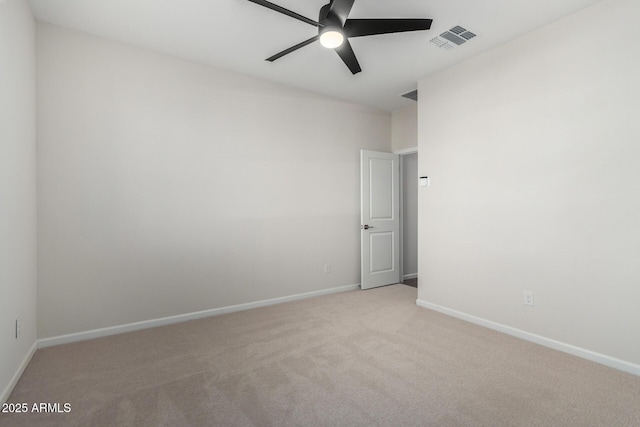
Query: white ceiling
238	35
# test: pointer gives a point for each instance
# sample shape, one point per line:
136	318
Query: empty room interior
190	234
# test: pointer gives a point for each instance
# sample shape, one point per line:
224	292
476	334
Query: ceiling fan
335	28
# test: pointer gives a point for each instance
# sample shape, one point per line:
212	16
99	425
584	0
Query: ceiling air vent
452	38
411	95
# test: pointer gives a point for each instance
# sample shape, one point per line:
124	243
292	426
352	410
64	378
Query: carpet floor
362	358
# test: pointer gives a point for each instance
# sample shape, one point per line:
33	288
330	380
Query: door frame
402	153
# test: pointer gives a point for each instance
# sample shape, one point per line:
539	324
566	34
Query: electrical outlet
326	269
18	327
527	298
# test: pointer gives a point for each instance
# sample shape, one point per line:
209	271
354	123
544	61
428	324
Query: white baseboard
146	324
14	380
409	276
603	359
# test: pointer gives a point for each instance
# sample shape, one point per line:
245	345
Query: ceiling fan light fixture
331	38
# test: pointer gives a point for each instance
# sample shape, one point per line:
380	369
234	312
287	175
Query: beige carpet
363	358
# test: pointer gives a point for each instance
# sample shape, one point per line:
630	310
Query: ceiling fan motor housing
328	20
330	30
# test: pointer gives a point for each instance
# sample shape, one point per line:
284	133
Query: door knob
366	227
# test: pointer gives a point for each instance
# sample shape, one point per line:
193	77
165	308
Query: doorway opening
409	217
389	218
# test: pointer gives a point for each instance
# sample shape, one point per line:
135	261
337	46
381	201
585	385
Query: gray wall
17	189
533	153
168	187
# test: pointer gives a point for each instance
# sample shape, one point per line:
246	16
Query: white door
379	218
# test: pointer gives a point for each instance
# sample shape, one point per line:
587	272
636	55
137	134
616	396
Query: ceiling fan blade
287	12
345	51
370	27
292	48
341	9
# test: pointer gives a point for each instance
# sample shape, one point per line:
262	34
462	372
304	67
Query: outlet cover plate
527	298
